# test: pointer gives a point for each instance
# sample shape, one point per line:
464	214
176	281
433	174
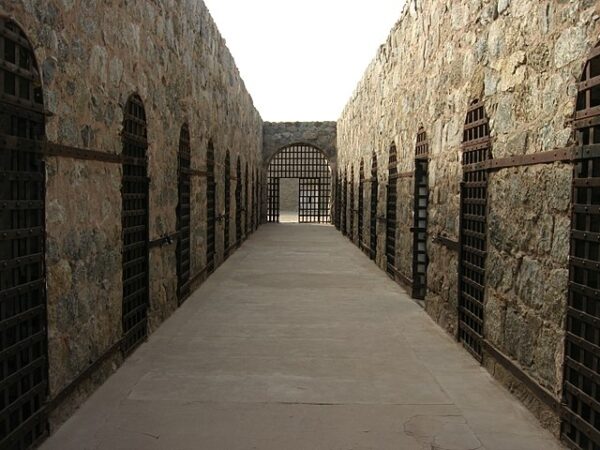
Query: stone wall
93	56
523	60
277	135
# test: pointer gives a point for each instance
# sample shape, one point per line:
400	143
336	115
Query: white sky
302	59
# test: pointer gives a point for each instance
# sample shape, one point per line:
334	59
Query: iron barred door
227	213
255	201
338	201
421	199
247	202
238	203
211	208
473	221
361	202
135	225
581	391
344	212
273	205
374	205
183	216
390	235
351	209
311	167
23	338
309	210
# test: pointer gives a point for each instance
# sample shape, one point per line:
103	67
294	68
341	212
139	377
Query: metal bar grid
338	201
473	220
23	338
361	201
581	390
227	199
421	200
390	234
238	203
255	201
247	201
343	212
211	208
312	169
183	216
135	225
351	204
374	206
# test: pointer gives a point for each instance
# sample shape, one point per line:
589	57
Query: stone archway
307	168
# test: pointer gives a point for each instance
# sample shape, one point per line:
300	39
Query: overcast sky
302	59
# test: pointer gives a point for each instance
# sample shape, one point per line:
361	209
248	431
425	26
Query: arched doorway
238	203
23	359
374	207
421	201
351	208
227	199
135	222
361	202
299	176
183	215
580	427
390	234
477	148
211	208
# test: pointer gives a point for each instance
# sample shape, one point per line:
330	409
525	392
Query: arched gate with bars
392	193
581	389
23	336
183	215
374	205
310	166
421	200
477	148
135	191
211	208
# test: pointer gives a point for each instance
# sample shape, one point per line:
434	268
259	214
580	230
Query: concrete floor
300	342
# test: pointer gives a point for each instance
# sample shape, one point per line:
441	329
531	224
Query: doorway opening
289	195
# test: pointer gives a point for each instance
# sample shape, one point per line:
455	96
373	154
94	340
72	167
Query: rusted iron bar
536	389
446	242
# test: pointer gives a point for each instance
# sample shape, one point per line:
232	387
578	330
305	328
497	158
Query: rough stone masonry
93	56
523	60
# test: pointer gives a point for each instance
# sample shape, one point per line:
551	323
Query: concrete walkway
300	342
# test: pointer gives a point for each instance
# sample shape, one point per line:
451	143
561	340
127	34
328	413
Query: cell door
273	215
211	208
23	338
135	225
247	202
473	222
351	208
420	231
344	208
421	199
581	389
238	204
390	235
309	209
361	202
227	195
183	216
338	202
374	206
